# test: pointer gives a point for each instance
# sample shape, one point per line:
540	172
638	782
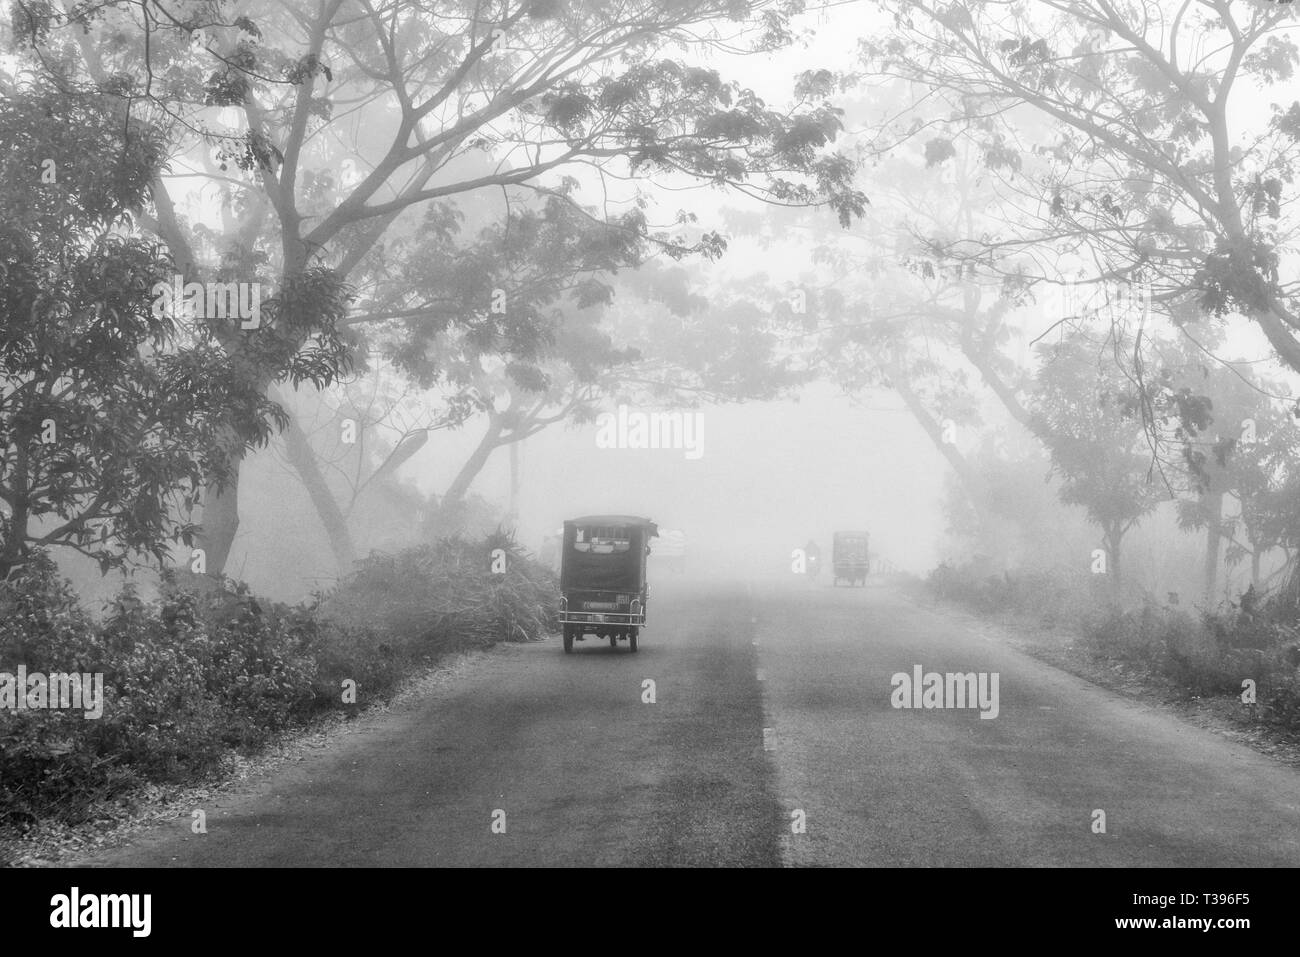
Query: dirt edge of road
54	844
1063	649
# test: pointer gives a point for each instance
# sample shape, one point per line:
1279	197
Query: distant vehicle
603	578
812	560
850	557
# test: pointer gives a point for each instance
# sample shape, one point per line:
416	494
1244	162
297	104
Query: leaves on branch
307	68
939	149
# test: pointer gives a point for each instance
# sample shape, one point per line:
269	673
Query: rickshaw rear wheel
613	641
631	640
568	640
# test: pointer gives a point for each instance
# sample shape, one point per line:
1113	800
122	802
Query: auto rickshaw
603	578
850	558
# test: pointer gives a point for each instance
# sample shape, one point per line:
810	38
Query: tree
347	445
1020	522
882	310
529	88
112	415
1257	463
538	271
1149	181
640	337
1084	411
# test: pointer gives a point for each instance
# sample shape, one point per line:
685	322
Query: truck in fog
850	557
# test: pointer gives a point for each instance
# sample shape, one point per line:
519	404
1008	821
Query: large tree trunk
1114	536
406	448
13	550
1213	540
220	521
474	464
303	459
1276	325
976	352
221	509
934	429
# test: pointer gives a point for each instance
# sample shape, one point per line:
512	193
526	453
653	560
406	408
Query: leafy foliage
111	415
1140	169
1191	656
210	669
440	597
1084	412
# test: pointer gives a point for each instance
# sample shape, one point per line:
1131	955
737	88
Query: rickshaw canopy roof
601	564
616	521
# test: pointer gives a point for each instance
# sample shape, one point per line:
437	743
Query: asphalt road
772	710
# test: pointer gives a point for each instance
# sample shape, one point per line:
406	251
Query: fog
771	476
319	321
881	355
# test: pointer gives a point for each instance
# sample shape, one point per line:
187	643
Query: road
772	709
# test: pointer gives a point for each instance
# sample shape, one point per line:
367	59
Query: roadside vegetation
428	269
209	670
1075	269
1201	653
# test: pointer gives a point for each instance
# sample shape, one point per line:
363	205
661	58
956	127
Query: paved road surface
586	773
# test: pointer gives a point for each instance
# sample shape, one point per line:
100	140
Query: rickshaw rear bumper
634	616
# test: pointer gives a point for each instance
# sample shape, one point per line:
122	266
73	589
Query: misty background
833	445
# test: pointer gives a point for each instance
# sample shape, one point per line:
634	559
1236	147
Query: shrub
209	668
1201	656
435	598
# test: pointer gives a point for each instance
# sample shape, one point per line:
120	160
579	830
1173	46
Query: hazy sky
771	475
